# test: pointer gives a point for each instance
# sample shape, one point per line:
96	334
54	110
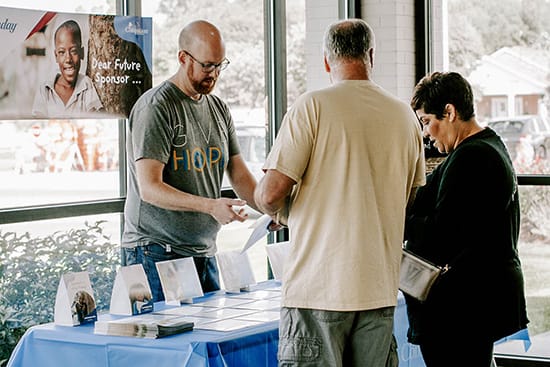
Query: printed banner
64	65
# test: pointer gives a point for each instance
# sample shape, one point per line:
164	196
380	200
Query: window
506	60
69	168
241	85
66	169
65	178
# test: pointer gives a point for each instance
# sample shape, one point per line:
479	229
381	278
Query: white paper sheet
261	229
277	254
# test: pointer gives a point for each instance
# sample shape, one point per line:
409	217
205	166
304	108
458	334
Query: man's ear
327	66
371	57
81	52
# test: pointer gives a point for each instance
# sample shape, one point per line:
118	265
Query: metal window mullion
275	78
275	67
348	9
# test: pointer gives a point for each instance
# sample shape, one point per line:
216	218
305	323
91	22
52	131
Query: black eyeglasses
209	67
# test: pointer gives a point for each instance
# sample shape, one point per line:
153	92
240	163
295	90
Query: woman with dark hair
466	216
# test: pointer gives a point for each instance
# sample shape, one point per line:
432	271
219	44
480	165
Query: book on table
144	326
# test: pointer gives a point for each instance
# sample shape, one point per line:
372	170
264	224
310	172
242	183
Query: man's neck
349	71
184	87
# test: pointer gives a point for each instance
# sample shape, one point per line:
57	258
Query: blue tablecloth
50	345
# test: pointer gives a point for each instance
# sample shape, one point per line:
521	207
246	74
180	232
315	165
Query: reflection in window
56	161
486	49
534	249
516	105
241	85
34	255
295	42
527	138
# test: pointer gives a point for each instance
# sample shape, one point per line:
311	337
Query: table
50	345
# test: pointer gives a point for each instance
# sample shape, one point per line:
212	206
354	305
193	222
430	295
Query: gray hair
349	39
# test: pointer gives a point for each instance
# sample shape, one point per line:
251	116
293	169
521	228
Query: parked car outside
527	137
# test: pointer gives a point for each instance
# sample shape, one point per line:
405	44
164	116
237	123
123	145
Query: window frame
425	60
275	20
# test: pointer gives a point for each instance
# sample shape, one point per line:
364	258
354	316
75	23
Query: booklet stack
144	326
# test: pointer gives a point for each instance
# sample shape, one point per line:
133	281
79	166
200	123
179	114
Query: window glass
34	255
506	59
534	250
241	86
56	161
295	43
46	162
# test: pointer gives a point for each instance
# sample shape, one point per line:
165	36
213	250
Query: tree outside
478	29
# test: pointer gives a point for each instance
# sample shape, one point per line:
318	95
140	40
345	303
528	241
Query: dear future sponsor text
117	65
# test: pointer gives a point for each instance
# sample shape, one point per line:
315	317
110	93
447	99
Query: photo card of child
74	302
131	293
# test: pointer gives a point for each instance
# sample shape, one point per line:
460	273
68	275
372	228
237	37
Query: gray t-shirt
194	139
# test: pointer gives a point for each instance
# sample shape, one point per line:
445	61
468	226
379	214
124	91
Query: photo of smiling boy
70	93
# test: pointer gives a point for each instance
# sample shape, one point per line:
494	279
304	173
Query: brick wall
393	24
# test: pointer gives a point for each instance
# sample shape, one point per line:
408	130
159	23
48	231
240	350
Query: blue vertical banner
138	31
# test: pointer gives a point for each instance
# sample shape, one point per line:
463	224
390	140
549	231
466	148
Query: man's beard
206	87
203	86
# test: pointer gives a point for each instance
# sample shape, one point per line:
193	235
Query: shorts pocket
300	349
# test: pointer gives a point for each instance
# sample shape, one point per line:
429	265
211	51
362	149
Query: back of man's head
349	40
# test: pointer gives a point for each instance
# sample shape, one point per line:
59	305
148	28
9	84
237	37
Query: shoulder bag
418	275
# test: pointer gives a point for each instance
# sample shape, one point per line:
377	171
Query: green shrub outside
30	270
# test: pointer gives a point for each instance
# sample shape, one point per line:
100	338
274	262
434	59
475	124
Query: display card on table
131	293
74	301
179	280
235	270
277	253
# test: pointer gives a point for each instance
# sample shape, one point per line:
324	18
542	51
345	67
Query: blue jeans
312	338
207	268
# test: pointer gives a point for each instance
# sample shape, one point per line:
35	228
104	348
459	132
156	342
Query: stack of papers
144	326
231	313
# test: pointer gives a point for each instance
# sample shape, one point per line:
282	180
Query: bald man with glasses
181	142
